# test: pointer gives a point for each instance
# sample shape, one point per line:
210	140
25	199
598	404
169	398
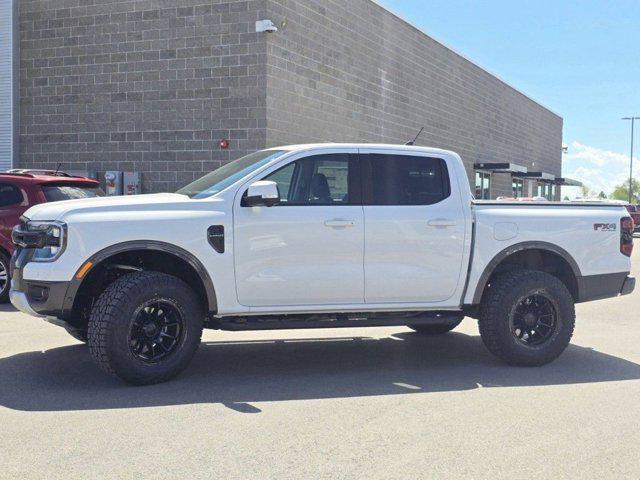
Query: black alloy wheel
156	330
534	319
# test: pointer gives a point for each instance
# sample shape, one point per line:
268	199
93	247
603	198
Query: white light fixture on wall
265	26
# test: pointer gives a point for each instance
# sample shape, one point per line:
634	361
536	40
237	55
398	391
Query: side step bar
334	320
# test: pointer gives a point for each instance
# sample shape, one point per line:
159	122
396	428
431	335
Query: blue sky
579	58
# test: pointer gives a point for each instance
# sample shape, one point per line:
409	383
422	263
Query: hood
150	202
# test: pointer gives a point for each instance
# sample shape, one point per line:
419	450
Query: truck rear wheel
446	325
145	327
527	318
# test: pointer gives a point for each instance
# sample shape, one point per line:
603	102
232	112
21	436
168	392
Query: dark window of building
10	195
518	187
318	180
405	180
483	186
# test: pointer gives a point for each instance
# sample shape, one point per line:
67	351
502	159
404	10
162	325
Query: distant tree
566	199
621	192
602	195
586	192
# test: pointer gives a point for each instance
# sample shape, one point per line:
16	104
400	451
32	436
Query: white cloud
600	170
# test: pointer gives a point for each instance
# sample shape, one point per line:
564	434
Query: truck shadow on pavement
237	374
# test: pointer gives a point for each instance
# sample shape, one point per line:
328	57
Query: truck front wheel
527	317
145	327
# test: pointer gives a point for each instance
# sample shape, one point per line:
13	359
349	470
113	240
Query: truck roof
382	146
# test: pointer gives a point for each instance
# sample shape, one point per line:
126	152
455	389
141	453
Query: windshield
228	174
56	193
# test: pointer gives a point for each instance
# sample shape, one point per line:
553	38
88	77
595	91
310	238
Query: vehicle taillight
626	236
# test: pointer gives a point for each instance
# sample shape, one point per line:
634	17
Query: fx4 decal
605	227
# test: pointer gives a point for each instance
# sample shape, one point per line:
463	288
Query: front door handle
339	223
442	223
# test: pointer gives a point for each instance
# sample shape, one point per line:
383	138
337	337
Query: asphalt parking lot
358	403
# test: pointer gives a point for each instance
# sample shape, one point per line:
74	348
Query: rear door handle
442	223
339	223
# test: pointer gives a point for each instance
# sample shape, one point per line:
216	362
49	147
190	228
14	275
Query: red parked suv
19	191
634	211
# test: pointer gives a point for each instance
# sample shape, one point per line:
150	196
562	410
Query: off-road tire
112	317
498	305
441	328
4	293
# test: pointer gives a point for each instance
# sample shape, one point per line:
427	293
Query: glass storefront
518	187
483	186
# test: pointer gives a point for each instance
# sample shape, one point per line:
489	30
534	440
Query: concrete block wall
154	85
349	70
145	85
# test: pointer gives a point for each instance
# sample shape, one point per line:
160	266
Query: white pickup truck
316	236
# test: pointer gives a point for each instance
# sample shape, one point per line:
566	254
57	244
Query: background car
634	211
19	191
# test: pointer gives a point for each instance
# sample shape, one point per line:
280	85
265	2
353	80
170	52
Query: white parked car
316	236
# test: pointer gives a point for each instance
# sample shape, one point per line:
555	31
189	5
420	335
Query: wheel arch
540	255
195	273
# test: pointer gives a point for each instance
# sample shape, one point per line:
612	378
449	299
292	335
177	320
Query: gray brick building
154	86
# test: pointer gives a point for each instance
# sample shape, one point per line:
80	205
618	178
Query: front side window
10	195
483	186
317	180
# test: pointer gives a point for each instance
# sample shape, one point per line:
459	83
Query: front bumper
35	297
19	300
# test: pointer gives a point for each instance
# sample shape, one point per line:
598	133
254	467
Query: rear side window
406	180
10	195
56	193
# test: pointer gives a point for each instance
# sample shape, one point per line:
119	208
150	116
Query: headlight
52	238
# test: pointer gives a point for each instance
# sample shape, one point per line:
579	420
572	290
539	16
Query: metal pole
631	162
633	120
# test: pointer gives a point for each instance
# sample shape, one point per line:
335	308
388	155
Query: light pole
633	120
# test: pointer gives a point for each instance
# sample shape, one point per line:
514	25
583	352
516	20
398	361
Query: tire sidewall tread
505	291
112	315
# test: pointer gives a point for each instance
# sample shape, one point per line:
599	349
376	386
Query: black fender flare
100	256
518	247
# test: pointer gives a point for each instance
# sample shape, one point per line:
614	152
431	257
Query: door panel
415	230
309	249
13	203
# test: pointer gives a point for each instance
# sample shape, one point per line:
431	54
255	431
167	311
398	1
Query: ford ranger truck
316	236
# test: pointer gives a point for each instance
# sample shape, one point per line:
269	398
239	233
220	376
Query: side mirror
262	194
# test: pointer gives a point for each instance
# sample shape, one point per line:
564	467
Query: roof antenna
57	168
413	142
